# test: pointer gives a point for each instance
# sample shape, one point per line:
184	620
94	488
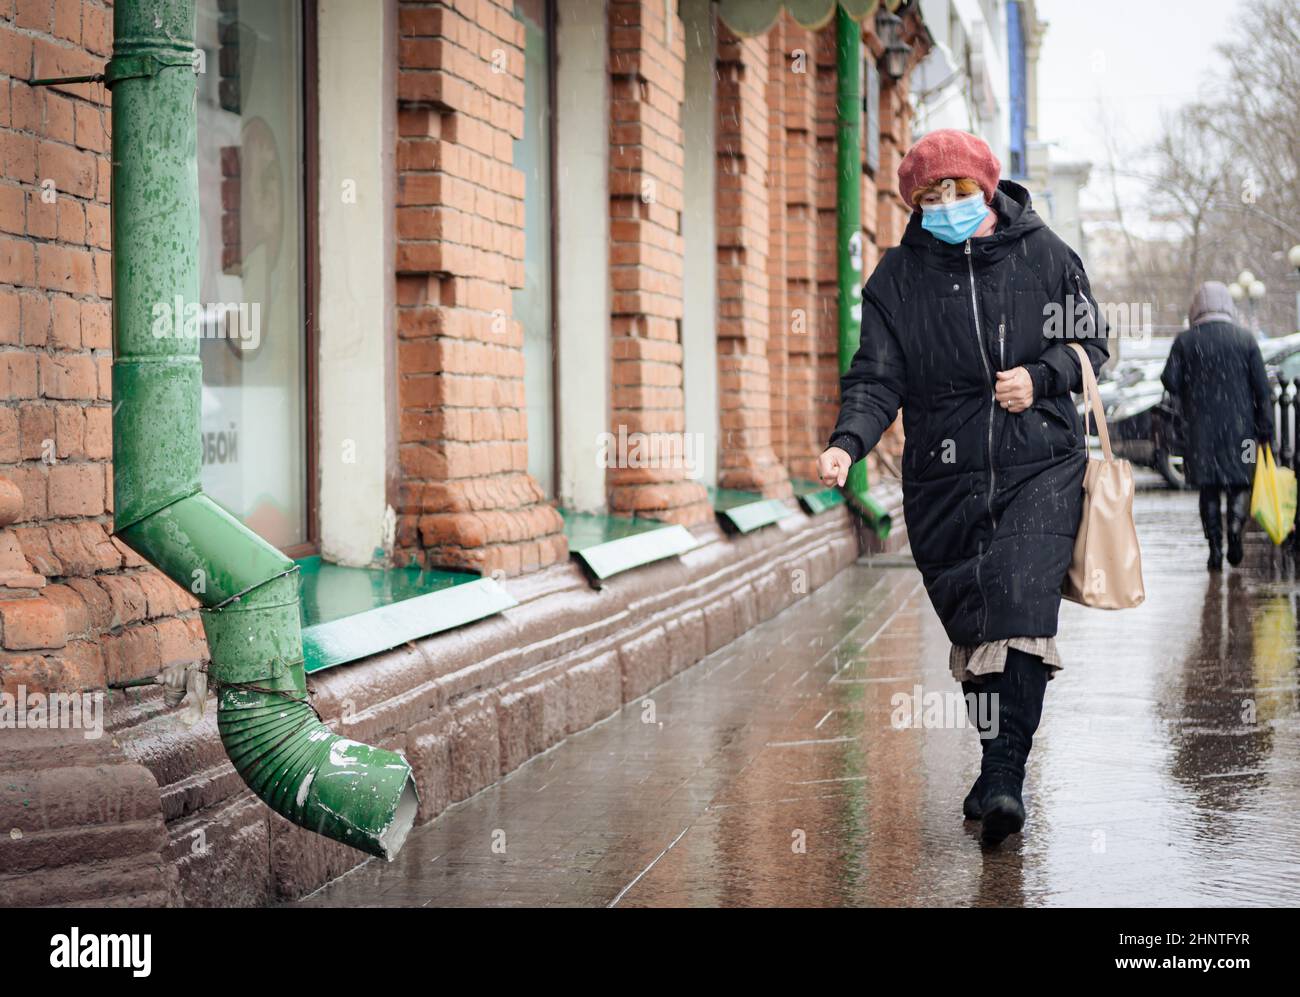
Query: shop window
699	326
251	258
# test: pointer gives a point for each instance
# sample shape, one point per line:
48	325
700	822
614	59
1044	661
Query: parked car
1282	357
1145	422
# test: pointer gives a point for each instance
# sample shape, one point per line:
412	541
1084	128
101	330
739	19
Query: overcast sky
1137	58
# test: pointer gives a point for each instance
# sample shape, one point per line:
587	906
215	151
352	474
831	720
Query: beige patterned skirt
969	661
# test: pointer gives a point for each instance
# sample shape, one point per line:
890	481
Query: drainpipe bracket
128	67
62	81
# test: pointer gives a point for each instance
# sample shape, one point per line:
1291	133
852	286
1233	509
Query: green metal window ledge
607	545
744	512
352	613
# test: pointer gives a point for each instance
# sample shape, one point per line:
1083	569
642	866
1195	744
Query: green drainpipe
848	224
351	792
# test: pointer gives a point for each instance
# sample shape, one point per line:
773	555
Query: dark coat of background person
1216	372
992	498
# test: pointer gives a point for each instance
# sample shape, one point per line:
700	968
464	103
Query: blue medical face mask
955	221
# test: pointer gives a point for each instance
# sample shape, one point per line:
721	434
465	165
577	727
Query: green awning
748	18
606	545
352	613
745	512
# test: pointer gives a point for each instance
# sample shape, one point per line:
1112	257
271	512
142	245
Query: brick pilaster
647	66
825	340
466	498
792	100
889	215
778	327
747	460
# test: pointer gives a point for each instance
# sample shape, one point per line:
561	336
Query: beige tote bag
1106	569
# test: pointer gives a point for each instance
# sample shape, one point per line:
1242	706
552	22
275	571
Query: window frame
551	153
308	168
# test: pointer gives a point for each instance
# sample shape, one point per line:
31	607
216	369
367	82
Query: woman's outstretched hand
833	466
1015	389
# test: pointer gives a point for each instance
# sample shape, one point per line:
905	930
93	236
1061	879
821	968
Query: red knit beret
945	153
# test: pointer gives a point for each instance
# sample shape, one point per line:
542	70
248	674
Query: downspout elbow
870	508
346	790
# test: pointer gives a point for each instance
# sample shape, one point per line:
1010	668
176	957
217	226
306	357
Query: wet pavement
1166	770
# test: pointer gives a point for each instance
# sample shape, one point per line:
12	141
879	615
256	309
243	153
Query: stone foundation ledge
466	707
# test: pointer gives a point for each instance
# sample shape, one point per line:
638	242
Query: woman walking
966	326
1216	371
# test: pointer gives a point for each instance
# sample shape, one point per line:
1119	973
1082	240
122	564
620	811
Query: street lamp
1249	287
1253	289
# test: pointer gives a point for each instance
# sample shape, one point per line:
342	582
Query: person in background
966	325
1216	372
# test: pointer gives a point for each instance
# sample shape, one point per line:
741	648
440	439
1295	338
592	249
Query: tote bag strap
1092	401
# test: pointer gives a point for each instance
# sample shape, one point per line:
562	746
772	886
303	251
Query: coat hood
1211	303
1016	218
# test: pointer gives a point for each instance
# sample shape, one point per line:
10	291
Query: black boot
1238	513
1212	525
972	807
1019	709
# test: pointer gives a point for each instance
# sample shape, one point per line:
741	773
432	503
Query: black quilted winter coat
992	498
1216	371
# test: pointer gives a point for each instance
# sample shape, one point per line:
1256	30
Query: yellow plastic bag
1273	498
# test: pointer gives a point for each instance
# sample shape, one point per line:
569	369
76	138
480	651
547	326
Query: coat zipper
988	373
984	357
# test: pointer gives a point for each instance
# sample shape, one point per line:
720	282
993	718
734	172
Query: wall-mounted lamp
889	29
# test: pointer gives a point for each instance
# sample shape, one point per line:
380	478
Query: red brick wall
77	609
647	64
825	341
885	216
778	327
465	498
805	264
798	314
895	137
746	457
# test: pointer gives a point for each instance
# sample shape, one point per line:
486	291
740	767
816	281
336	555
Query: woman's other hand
1015	389
833	466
